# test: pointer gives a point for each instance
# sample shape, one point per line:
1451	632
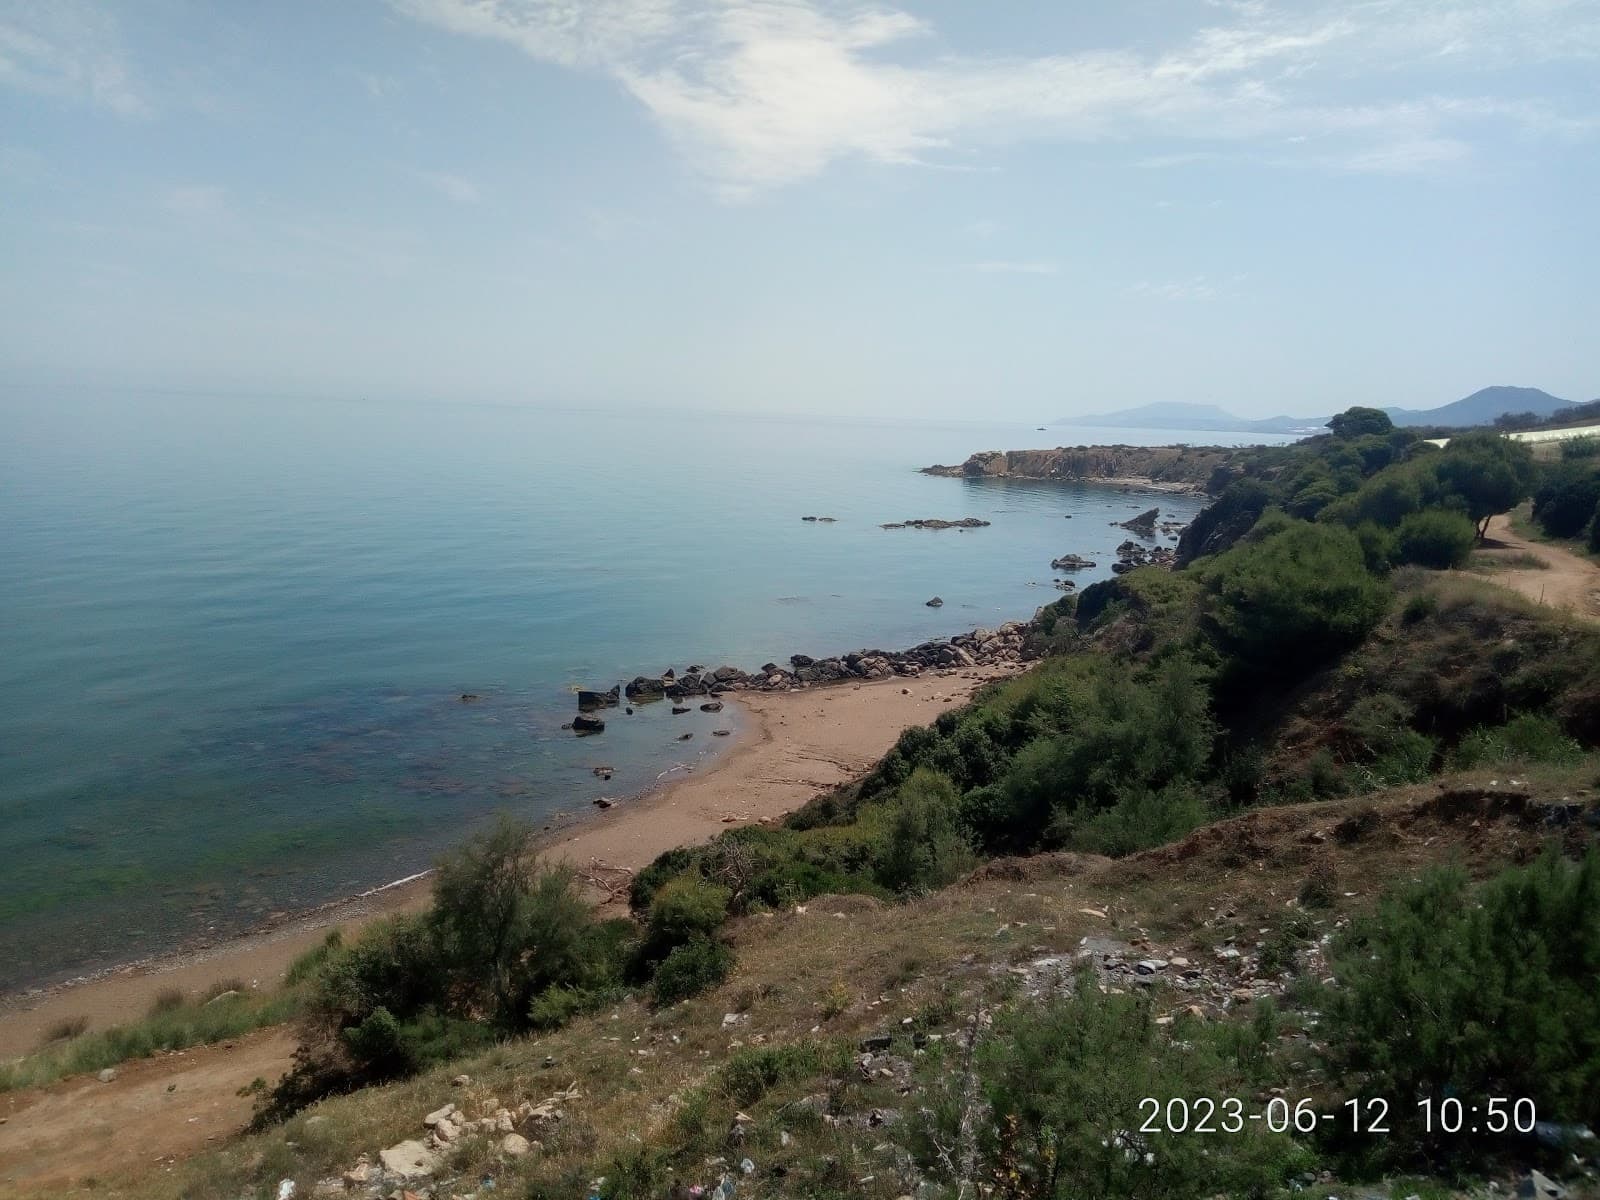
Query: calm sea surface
233	634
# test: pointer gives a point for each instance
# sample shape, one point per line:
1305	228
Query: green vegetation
1447	991
175	1022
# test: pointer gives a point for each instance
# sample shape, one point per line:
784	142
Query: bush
1299	595
923	848
1435	538
1487	473
1580	448
1565	501
1444	991
1527	737
694	967
1064	1081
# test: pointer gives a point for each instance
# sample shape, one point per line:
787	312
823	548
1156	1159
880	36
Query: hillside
1177	468
1483	407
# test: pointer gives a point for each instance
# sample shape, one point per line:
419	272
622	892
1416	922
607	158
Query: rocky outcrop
582	724
1131	554
936	602
935	523
589	701
644	687
1071	562
1170	468
1144	524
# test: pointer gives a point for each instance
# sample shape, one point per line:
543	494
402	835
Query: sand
792	746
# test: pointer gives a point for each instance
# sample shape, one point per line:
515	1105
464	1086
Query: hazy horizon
804	207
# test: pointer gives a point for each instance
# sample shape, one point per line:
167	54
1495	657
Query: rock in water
1071	562
588	700
1144	524
711	706
936	602
586	725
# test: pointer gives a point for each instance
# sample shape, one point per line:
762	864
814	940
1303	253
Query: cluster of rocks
1072	562
820	520
1131	554
934	523
980	647
416	1167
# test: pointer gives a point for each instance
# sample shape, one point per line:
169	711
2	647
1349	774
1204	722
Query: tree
1490	474
1436	538
1285	601
1566	498
1361	422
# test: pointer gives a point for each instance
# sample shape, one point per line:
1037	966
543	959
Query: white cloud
1015	268
452	187
203	200
761	93
1198	288
69	49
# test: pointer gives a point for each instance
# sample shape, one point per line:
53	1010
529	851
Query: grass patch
171	1027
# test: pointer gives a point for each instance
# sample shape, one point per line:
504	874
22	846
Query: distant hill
1480	408
1178	415
1483	406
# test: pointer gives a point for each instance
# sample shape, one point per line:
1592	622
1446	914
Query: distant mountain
1173	414
1482	407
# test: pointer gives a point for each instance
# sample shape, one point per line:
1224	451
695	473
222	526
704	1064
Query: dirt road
1566	580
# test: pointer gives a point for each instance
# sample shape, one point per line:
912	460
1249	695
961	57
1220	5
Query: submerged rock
588	700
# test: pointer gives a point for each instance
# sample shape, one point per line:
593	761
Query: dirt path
155	1110
1566	581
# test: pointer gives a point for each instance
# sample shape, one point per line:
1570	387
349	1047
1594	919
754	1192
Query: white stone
107	1075
409	1159
515	1145
438	1114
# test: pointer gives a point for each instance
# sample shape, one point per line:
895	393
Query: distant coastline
1182	470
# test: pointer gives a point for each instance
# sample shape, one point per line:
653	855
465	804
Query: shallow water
234	634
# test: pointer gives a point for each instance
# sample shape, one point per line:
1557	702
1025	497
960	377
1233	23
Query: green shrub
1527	737
684	909
1064	1081
923	848
1136	821
308	964
1485	473
752	1072
1447	991
1419	606
1435	538
696	966
555	1006
1290	600
1565	500
1580	448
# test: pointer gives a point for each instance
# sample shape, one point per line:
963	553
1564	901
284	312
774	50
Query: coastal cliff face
1175	468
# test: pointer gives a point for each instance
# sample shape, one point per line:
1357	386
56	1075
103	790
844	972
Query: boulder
645	688
515	1145
711	706
679	709
936	602
1144	524
588	700
728	675
586	725
409	1159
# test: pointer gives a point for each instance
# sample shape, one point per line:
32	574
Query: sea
235	632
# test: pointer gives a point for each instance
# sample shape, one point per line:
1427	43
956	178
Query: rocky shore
1005	644
1160	468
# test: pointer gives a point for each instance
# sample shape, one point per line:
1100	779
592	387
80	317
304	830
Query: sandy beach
792	746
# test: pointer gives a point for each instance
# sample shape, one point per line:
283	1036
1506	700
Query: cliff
1173	468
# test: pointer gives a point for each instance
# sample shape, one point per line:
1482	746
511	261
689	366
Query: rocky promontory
1164	468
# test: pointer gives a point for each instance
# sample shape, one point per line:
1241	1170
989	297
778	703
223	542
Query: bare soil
1566	581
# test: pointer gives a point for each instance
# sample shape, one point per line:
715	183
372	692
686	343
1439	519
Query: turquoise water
233	634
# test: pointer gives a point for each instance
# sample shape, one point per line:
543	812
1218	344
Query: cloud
452	187
761	93
1197	288
201	200
1015	268
68	49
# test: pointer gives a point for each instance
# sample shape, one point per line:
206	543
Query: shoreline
789	747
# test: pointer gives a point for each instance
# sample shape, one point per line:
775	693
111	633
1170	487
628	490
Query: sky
998	210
